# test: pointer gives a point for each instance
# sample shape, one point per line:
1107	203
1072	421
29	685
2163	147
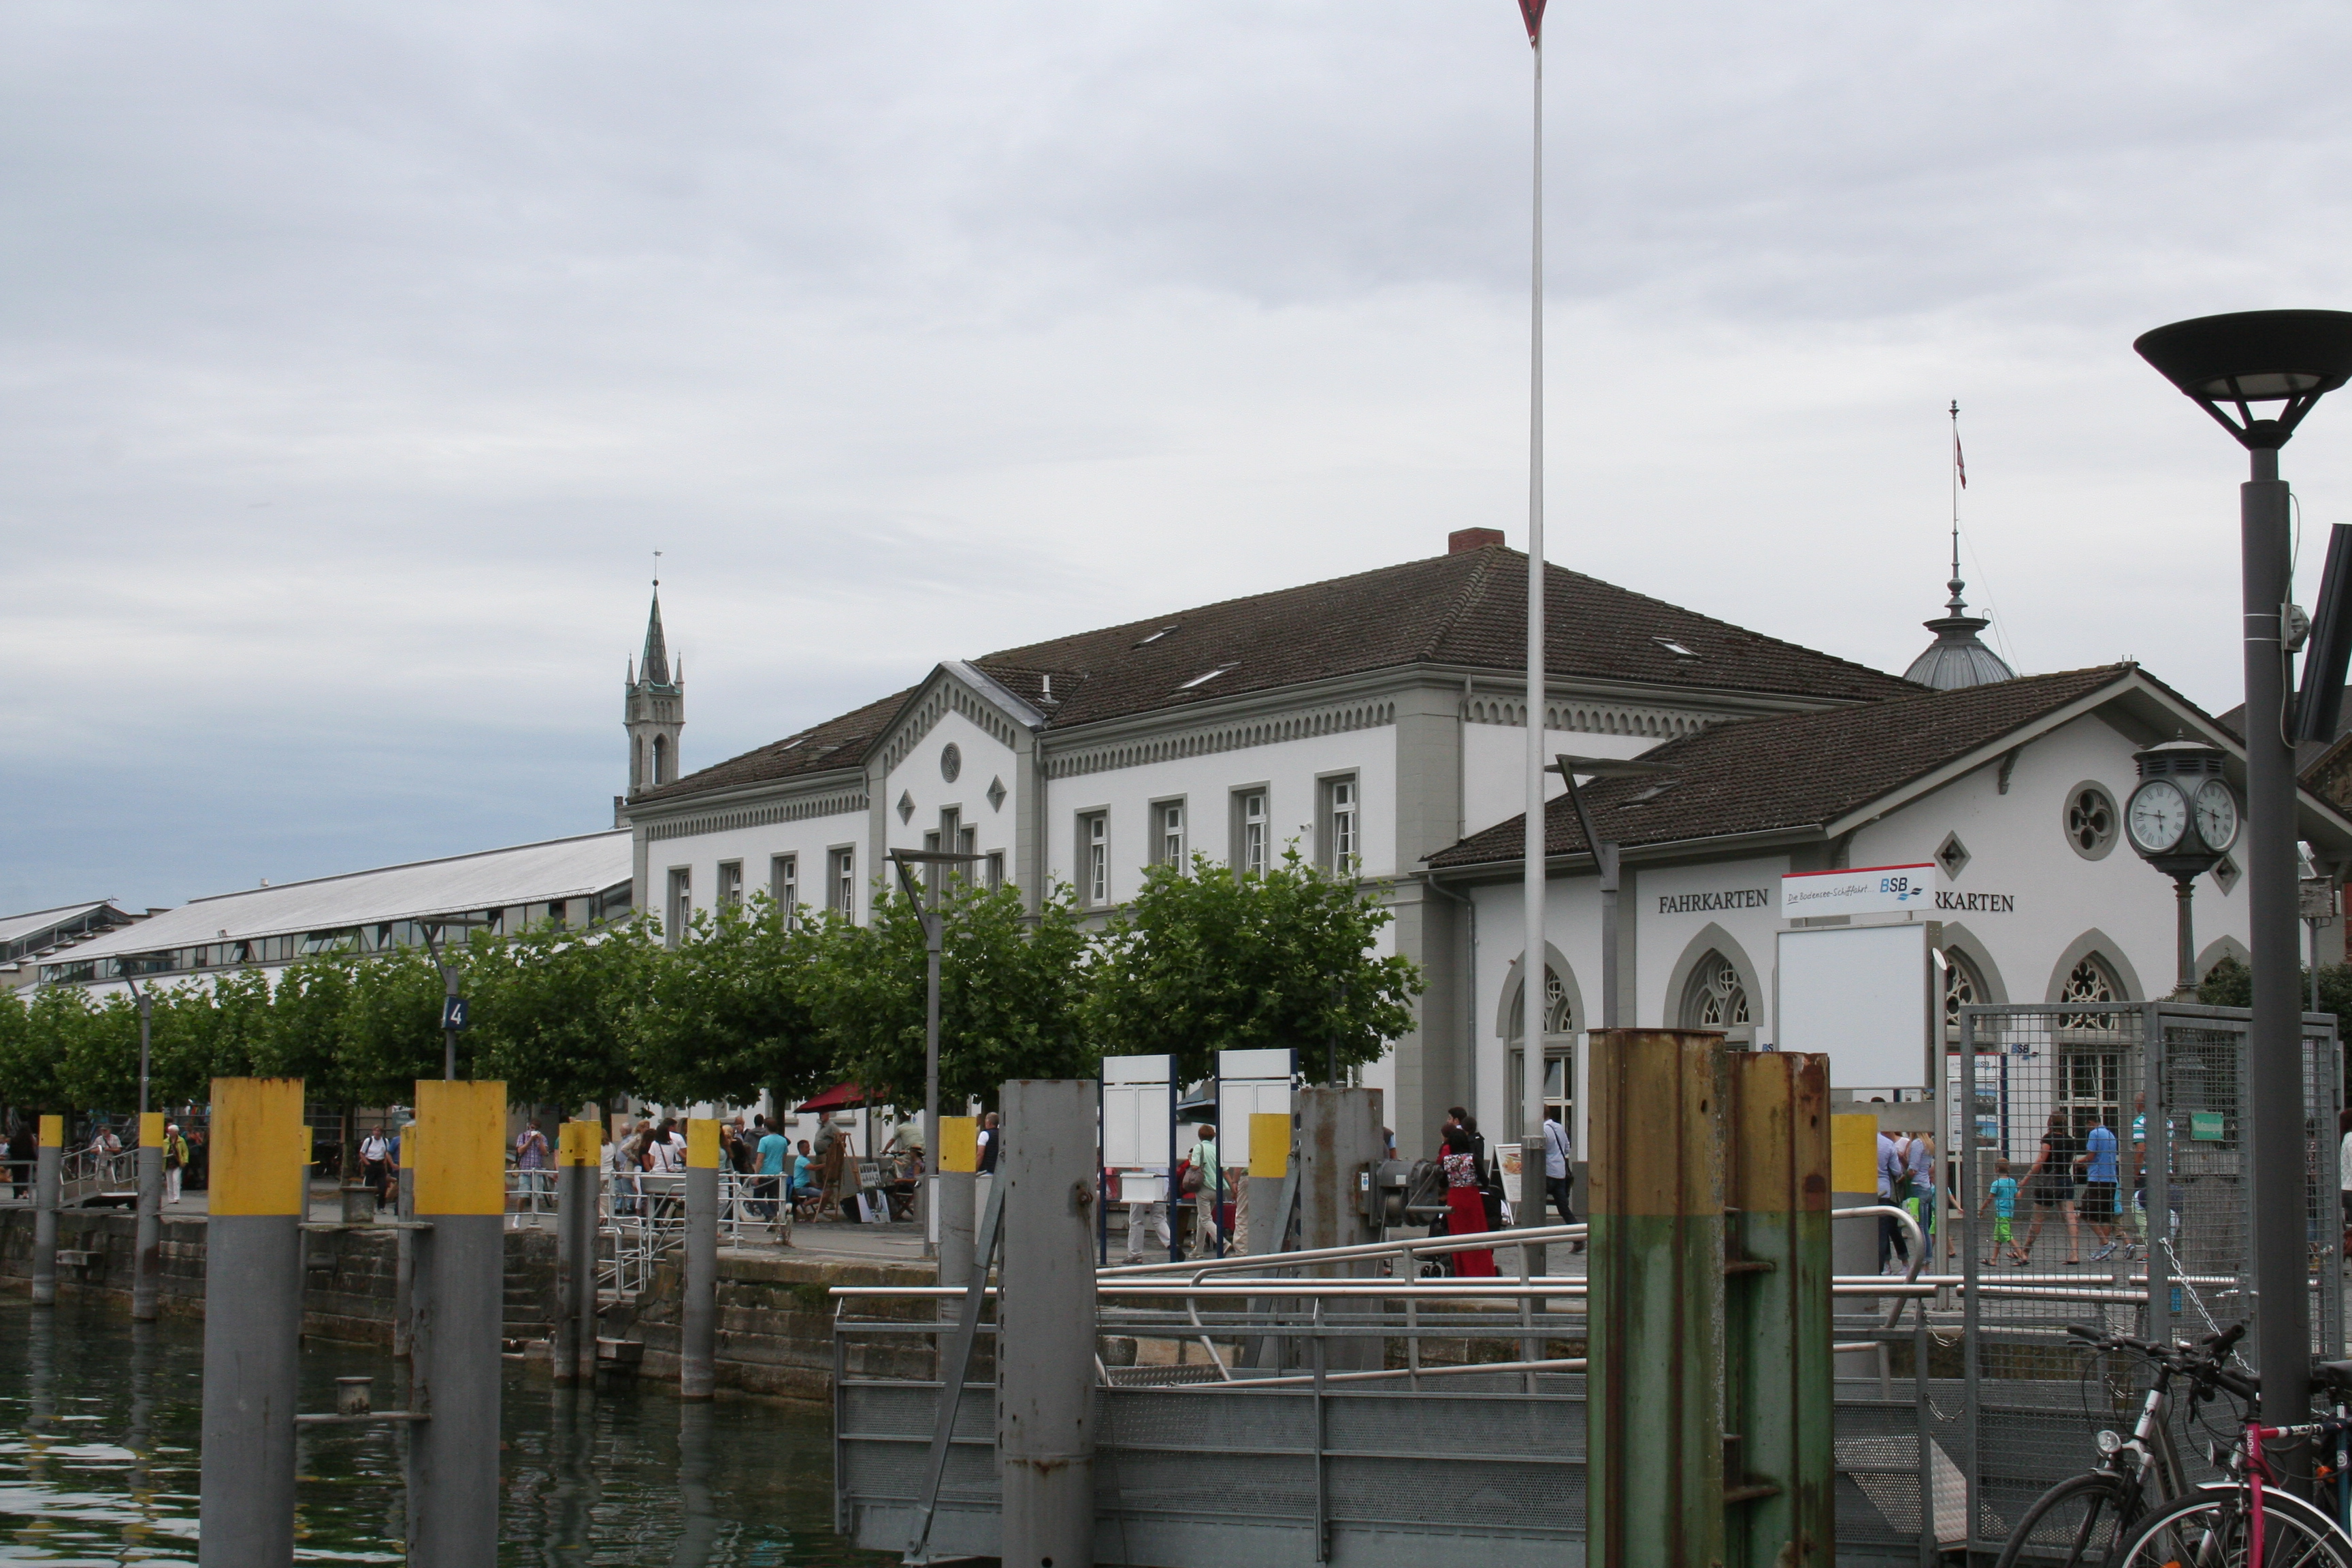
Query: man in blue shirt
774	1148
2098	1201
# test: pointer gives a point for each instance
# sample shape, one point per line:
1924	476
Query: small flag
1531	11
1960	463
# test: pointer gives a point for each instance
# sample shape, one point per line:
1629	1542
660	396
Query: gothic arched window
1962	985
1716	998
1559	1054
2089	981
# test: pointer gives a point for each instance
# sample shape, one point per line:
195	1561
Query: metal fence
2160	1247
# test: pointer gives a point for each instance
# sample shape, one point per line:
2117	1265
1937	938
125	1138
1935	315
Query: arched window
2091	979
1716	998
661	759
1559	1054
637	761
1963	984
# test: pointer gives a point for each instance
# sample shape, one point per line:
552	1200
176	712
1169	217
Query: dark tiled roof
1465	609
835	743
1798	770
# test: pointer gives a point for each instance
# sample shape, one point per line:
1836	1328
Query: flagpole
1534	970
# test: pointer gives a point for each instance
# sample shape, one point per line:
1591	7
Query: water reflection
99	1422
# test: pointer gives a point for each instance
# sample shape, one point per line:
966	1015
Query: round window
950	763
2091	818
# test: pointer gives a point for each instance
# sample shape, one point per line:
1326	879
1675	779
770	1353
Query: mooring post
958	1158
1339	1144
698	1339
577	1154
1779	1498
147	1245
45	1210
453	1455
1854	1242
403	1244
253	1322
1269	1166
1046	1338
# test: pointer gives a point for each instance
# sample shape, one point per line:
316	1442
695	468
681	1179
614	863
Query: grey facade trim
799	810
1979	959
1514	980
1592	716
951	691
2224	947
1230	736
1712	938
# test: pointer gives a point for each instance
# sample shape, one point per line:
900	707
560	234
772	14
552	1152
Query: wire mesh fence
2103	1177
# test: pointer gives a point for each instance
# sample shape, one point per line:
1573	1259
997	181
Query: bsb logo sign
1863	890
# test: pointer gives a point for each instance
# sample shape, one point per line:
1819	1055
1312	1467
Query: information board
1865	997
1135	1131
1249	1084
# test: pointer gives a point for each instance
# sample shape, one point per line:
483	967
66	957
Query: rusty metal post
578	1155
453	1457
1046	1338
1781	1506
147	1254
1656	1410
46	1181
698	1339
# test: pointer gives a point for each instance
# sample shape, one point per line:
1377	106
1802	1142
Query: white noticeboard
1249	1083
1135	1131
1865	997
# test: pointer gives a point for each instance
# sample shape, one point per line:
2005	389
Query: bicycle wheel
2216	1530
2079	1522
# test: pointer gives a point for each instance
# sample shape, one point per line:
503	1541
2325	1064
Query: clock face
2157	816
2217	815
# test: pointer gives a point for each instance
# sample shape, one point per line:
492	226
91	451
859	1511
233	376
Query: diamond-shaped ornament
906	806
996	793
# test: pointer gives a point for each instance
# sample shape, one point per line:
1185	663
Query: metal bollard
698	1340
453	1455
45	1210
147	1247
953	1215
1046	1341
578	1155
1270	1172
253	1322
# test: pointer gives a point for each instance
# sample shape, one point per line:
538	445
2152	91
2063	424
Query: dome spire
1957	657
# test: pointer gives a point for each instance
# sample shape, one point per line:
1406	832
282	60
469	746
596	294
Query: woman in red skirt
1468	1202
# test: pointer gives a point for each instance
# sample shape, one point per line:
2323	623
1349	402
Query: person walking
991	1140
1560	1175
2001	1197
176	1161
2096	1198
2050	1182
1144	1217
373	1150
1465	1196
1202	1177
530	1164
621	1174
1894	1184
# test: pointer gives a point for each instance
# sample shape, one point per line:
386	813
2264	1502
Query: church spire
654	665
652	708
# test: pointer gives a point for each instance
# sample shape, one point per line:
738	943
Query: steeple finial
1957	657
1959	483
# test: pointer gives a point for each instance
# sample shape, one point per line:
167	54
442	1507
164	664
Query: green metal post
1780	1507
1657	1381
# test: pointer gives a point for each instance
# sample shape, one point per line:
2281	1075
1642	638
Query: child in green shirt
2001	1198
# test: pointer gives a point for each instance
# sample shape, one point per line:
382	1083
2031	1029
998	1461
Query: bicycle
2248	1521
2082	1521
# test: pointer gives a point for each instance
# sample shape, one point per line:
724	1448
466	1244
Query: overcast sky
355	358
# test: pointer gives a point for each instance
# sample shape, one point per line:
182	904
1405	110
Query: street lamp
1604	857
2181	820
934	930
2228	364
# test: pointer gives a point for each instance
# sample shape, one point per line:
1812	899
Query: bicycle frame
2258	1469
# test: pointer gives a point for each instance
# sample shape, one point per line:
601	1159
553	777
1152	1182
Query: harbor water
99	1429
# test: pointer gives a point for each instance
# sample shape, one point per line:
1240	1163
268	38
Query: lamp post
2231	364
1604	859
934	937
2182	819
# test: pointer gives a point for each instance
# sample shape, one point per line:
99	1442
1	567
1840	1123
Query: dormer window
1204	680
1678	649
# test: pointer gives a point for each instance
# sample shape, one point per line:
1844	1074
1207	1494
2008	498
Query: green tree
726	1011
557	1011
2230	984
1011	994
1207	960
393	1026
20	1084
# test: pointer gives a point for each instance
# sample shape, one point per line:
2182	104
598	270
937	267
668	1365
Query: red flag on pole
1531	11
1959	462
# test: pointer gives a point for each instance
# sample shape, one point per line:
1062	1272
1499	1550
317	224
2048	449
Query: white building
569	881
2012	791
1374	720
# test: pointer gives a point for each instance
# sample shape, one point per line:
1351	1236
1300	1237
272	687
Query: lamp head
1605	767
2286	357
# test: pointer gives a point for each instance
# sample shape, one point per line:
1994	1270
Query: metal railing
83	1173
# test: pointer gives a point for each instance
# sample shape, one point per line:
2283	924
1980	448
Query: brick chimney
1463	539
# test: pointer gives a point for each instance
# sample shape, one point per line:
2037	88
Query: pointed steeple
655	663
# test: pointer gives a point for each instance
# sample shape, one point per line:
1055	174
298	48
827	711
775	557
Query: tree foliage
1208	960
2230	984
726	1012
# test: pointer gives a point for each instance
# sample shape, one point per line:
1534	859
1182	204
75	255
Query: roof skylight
1677	649
1204	680
1155	637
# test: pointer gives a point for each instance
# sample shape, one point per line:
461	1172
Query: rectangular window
730	882
995	869
681	903
841	893
1342	824
557	914
1094	857
931	873
1168	832
1250	832
785	885
1560	1080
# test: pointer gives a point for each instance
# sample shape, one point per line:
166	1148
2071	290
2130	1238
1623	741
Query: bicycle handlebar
2204	1363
